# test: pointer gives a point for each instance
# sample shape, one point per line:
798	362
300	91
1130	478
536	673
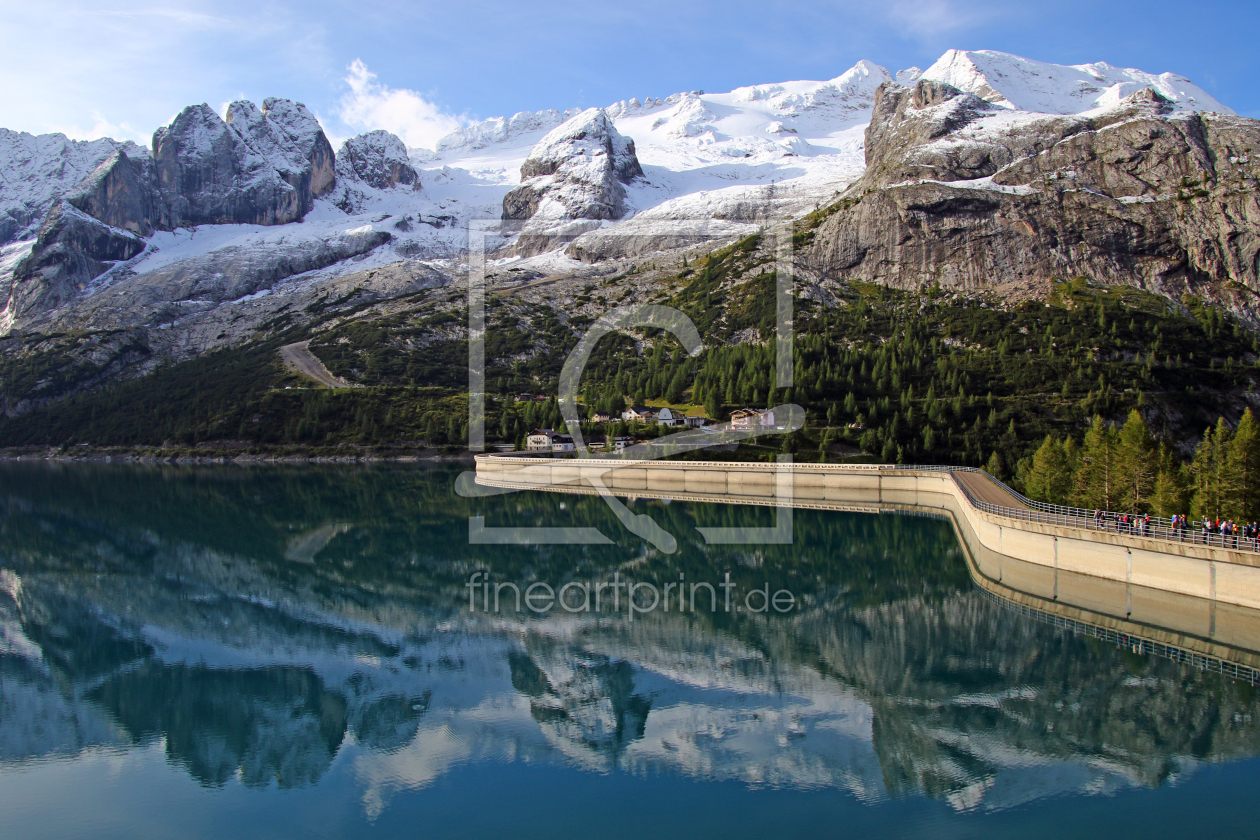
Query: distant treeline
883	374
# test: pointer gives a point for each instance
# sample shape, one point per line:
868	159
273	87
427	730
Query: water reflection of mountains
261	621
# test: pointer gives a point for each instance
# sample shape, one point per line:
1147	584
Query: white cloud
371	105
927	18
227	103
102	127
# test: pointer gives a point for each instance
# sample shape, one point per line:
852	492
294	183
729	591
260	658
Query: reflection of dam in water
1178	618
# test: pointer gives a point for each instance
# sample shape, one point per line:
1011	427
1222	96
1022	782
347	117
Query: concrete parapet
1045	551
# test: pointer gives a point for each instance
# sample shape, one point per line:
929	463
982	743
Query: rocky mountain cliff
259	166
577	172
377	160
964	193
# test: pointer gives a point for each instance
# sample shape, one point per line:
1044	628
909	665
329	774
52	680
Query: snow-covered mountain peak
1023	84
739	159
577	171
500	130
286	136
690	117
589	133
378	159
852	90
909	76
632	106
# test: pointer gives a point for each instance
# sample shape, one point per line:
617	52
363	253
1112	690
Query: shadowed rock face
262	166
72	248
120	192
261	724
259	167
40	170
960	194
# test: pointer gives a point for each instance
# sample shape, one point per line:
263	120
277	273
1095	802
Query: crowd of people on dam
1225	532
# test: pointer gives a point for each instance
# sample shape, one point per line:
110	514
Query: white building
666	417
539	440
638	414
749	419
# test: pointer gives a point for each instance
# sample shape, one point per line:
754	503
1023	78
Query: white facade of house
539	440
666	417
748	419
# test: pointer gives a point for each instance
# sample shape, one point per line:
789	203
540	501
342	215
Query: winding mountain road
299	359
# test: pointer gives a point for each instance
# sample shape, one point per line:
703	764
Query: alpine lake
308	651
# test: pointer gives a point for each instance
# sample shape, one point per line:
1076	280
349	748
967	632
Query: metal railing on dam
1025	509
1156	527
1134	641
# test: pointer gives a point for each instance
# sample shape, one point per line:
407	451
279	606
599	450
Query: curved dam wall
1135	564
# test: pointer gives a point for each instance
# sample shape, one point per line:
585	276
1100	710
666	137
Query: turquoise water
222	652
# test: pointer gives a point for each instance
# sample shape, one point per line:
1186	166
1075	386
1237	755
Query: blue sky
419	69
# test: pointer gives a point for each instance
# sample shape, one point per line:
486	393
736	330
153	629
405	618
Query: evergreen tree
712	406
1208	471
1242	470
1171	491
1136	464
1095	479
677	383
1050	479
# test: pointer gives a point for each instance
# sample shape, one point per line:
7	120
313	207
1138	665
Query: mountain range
984	173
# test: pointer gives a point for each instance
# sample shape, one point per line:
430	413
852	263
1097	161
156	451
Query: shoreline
129	455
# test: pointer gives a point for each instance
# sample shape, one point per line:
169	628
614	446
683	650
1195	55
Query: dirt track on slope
299	358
